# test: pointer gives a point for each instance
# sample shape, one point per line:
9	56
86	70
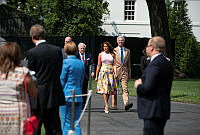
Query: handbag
31	123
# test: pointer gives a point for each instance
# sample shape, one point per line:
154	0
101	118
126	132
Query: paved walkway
185	119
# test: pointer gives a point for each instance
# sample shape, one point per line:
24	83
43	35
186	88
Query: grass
183	90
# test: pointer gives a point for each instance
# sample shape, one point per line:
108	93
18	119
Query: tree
159	23
67	17
187	51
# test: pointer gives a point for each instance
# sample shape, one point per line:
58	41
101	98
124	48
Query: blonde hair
158	43
70	48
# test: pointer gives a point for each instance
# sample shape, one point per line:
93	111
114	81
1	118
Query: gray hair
120	37
81	44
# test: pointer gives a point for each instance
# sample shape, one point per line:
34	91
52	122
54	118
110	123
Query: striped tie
83	60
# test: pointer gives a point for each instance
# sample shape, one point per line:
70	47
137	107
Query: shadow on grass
177	96
187	79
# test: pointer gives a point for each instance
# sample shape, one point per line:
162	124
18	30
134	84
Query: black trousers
154	126
84	91
51	120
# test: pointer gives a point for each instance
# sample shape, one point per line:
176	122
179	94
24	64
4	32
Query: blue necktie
122	55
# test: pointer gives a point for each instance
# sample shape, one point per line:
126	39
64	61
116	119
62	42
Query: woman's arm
98	67
64	72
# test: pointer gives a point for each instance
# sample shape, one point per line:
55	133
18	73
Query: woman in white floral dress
105	77
13	106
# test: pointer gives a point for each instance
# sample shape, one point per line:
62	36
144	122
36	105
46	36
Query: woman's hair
111	49
70	48
144	52
10	56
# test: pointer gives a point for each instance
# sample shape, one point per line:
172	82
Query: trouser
154	126
124	84
125	94
84	91
66	114
51	120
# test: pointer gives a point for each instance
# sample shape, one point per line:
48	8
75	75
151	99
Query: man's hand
96	79
92	74
137	82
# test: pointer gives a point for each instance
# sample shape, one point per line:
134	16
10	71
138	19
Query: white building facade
130	18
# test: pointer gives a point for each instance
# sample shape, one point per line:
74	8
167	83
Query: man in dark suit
87	60
154	88
46	60
67	40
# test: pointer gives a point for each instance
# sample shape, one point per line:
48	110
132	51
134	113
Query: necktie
122	55
83	60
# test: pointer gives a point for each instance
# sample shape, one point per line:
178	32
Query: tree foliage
66	17
187	50
159	23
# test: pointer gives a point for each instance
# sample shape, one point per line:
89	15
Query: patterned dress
106	79
12	102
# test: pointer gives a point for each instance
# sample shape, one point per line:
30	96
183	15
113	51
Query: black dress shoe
128	106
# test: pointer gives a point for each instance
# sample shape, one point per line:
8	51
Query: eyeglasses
67	41
148	46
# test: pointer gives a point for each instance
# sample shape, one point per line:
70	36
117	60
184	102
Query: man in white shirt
87	60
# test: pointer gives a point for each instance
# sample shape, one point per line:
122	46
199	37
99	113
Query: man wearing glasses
153	89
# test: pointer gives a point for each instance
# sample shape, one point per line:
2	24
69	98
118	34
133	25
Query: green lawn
183	90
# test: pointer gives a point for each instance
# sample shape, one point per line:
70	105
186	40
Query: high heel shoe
106	110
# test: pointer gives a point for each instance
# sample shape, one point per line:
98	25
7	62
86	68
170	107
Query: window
179	4
129	9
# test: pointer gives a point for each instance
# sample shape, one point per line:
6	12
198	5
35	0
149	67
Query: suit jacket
63	53
72	77
154	92
88	62
46	61
125	67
